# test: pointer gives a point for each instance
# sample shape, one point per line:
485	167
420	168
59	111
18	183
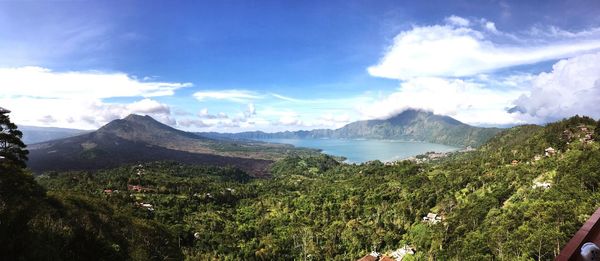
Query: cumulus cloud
467	101
75	99
193	123
241	96
461	48
83	113
289	121
490	26
205	115
457	21
43	82
149	106
572	87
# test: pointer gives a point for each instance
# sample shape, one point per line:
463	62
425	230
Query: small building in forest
544	185
549	152
400	253
432	218
373	256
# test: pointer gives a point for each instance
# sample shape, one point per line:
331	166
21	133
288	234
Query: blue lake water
357	151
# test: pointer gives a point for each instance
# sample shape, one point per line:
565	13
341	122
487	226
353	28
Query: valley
489	201
408	125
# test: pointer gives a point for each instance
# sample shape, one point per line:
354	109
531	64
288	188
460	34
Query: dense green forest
507	200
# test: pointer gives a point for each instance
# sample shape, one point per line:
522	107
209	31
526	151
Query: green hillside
506	200
40	225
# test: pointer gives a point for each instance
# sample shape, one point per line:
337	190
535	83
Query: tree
12	149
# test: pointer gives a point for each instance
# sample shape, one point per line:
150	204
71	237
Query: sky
232	66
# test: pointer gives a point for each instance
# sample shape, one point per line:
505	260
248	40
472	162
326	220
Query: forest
520	196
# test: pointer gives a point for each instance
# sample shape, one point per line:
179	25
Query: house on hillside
108	191
583	128
544	185
432	218
467	149
514	162
400	253
373	256
548	152
136	188
147	206
139	188
587	139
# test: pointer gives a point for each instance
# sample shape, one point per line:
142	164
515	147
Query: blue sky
287	65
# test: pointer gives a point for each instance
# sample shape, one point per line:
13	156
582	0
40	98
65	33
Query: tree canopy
12	148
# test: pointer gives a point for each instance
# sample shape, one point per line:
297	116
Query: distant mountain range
410	125
33	134
141	139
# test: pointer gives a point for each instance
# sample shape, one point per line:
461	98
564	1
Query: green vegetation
507	201
12	149
66	225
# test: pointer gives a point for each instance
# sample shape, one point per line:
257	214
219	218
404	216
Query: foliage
315	208
12	149
67	225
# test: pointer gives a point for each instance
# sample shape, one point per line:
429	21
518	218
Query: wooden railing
589	232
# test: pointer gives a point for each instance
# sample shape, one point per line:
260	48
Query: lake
362	150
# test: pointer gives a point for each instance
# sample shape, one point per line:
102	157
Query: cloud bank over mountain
465	68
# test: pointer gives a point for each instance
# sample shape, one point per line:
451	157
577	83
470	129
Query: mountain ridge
409	125
141	139
37	134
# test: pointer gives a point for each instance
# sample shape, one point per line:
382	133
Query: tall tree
12	149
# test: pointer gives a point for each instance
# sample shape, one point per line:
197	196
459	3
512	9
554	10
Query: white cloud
286	98
75	99
149	106
289	121
42	82
203	112
205	115
467	101
457	21
491	26
241	96
250	110
457	49
187	123
572	87
82	114
341	118
48	119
